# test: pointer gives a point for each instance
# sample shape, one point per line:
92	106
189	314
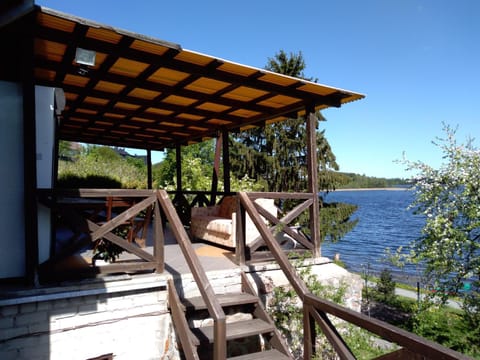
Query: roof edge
98	25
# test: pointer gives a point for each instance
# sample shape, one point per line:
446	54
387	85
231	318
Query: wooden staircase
250	332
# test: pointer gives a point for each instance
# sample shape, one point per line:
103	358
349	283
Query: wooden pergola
144	93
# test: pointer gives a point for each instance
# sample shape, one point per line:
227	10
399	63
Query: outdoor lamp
85	57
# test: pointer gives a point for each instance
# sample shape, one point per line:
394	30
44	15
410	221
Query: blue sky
417	62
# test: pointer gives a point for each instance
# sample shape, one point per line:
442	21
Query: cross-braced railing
316	310
121	217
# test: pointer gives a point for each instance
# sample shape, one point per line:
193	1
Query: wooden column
149	169
226	161
216	170
312	163
178	158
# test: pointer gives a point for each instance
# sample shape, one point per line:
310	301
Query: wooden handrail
389	332
277	252
317	308
214	308
181	324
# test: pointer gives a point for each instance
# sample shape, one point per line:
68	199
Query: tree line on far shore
357	181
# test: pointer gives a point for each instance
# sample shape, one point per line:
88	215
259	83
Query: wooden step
262	355
225	300
235	330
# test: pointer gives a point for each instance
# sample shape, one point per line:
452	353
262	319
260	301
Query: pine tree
277	153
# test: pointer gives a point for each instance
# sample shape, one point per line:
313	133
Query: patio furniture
217	224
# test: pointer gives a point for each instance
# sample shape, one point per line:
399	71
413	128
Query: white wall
45	139
12	241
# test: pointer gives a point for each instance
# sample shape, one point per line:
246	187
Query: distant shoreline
367	189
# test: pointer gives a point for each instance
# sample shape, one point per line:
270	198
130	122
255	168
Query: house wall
12	242
45	142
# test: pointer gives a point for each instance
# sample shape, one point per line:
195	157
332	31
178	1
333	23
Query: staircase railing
315	311
214	308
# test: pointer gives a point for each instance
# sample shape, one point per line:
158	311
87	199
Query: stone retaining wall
80	324
128	318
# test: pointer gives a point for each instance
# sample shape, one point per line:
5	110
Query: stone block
28	308
6	322
31	318
9	310
13	332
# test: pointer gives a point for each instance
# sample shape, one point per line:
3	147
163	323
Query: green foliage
102	153
292	64
197	168
73	181
449	199
107	251
98	163
448	328
356	181
336	221
386	286
68	151
285	309
276	153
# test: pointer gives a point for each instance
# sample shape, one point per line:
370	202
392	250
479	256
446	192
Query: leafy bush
286	310
73	181
92	168
448	328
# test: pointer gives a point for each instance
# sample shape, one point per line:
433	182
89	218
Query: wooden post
312	164
216	169
149	169
159	238
178	158
226	162
308	333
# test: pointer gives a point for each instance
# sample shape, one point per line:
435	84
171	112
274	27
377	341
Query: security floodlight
85	57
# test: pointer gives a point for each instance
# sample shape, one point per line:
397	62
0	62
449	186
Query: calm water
384	221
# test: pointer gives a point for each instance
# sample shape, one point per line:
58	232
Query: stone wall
267	277
130	320
127	317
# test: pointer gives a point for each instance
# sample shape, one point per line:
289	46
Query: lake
384	222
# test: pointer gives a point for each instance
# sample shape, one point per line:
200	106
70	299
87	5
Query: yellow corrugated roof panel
209	106
104	35
153	83
193	58
144	93
109	87
149	47
279	80
168	76
55	22
243	93
207	86
128	67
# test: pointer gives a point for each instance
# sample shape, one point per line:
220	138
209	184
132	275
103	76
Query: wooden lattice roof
151	94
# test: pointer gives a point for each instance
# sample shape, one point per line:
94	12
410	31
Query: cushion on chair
227	207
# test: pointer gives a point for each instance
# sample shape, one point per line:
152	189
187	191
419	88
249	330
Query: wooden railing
91	215
214	308
251	253
315	310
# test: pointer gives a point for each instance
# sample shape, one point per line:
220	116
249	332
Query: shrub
386	286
